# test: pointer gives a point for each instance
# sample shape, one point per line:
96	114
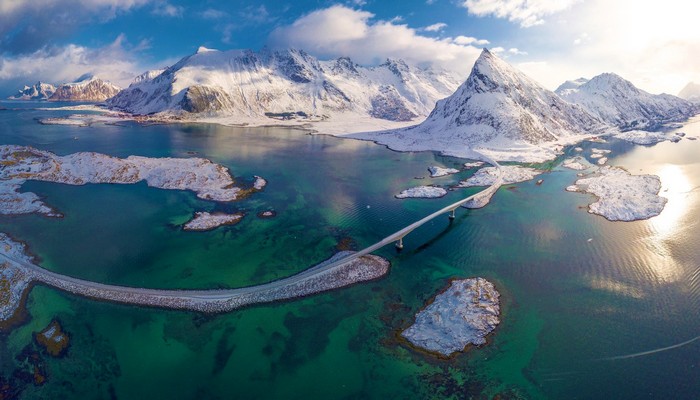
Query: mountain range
498	111
287	84
619	103
86	88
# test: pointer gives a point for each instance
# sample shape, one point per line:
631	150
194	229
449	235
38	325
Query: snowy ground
622	196
423	192
461	315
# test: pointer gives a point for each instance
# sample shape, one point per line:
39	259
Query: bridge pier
452	214
399	244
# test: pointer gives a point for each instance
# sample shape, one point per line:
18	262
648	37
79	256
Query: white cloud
168	10
341	31
211	13
435	27
526	12
115	62
517	52
468	40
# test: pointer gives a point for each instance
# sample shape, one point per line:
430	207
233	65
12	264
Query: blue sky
654	44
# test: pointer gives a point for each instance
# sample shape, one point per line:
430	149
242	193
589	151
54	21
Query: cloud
29	25
116	62
468	40
342	31
526	12
435	27
168	10
211	13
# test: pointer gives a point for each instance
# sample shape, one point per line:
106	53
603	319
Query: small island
462	315
205	221
422	192
437	172
511	174
621	195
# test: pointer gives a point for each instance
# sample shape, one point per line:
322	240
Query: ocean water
578	292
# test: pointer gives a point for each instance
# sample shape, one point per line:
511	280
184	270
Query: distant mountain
618	102
691	92
500	111
285	84
87	89
38	91
570	86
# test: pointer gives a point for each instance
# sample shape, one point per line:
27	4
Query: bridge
341	270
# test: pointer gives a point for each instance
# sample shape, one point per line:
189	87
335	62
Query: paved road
311	280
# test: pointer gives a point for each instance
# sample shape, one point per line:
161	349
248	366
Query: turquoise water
576	288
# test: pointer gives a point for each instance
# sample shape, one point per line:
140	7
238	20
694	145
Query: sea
590	309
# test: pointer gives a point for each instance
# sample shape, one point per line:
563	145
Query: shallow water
576	288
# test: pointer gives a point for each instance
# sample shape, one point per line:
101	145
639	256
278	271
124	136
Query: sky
654	44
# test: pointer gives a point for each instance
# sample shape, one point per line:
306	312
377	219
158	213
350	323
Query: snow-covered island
622	196
576	163
463	314
18	164
647	137
422	192
436	172
205	221
511	174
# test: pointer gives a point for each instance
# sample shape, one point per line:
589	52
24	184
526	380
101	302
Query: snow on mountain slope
691	92
619	103
90	89
38	91
243	85
500	112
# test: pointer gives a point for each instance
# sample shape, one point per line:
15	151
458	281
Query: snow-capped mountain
38	91
88	89
499	111
691	92
618	102
285	84
570	86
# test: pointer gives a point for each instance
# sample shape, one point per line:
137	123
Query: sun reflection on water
676	187
664	228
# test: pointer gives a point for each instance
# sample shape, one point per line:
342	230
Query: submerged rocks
53	339
461	315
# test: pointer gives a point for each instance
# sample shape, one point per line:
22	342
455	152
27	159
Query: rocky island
462	315
205	221
19	164
621	195
422	192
